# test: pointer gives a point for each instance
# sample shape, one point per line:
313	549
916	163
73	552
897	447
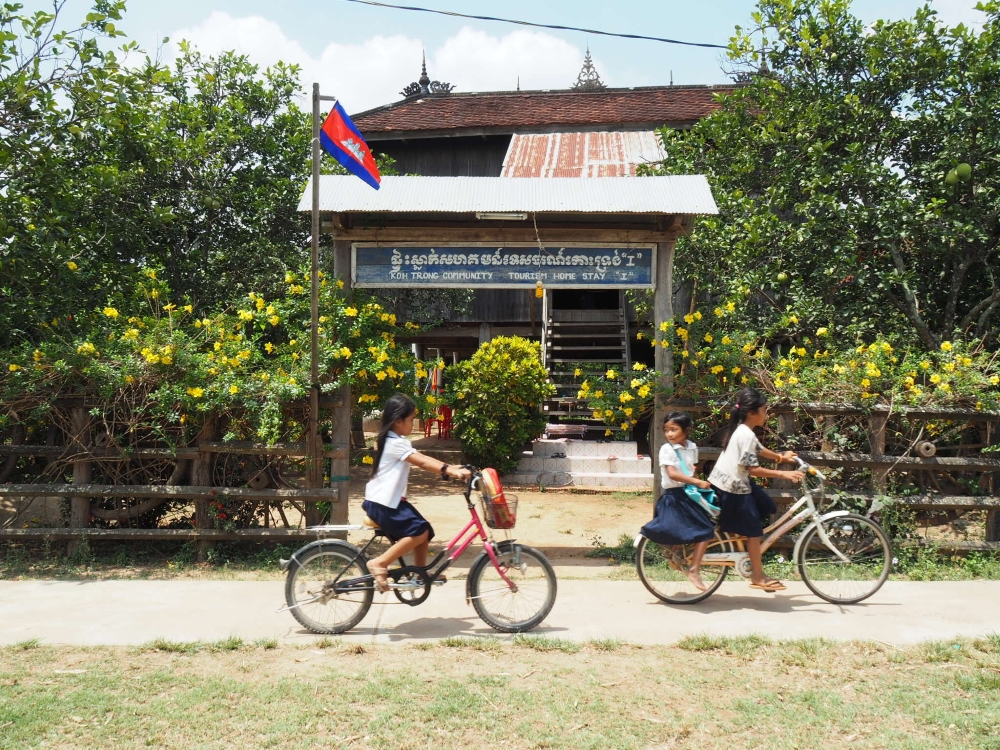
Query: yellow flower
151	273
71	265
607	433
644	391
38	355
351	312
611	374
717	369
886	347
269	347
730	306
289	277
935	378
170	308
380	375
577	372
822	331
233	390
925	365
708	338
292	381
598	415
793	319
195	392
609	413
682	332
697	315
949	367
167	359
295	356
368	460
689	318
624	397
946	346
636	383
87	348
628	411
736	370
665	325
966	361
14	368
865	382
293	342
340	283
694	363
638	367
801	351
598	394
944	387
296	289
111	312
685	353
719	312
431	399
345	352
245	315
726	340
995	379
792	380
155	293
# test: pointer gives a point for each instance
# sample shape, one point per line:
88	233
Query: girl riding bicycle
676	519
742	502
385	494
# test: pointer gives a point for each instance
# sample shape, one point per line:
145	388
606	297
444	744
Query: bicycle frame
789	520
473	530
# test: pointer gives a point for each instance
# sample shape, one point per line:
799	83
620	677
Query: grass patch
268	644
173	647
26	645
546	643
489	643
530	692
232	643
743	645
605	644
623	551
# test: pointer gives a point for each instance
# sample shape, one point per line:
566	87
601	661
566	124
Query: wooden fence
273	487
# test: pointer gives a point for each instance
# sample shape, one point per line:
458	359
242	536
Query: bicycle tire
312	568
857	537
669	585
523	609
554	479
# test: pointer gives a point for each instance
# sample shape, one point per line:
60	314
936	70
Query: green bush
496	394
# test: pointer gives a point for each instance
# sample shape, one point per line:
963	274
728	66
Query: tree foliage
838	172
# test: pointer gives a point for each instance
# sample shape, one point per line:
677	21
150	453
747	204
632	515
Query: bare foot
379	577
695	577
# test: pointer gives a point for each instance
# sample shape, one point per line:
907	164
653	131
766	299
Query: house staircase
581	337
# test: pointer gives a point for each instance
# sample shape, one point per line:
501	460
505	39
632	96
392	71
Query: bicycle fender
504	547
294	559
824	517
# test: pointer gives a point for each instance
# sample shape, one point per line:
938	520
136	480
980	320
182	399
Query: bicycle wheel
513	611
315	601
661	569
868	556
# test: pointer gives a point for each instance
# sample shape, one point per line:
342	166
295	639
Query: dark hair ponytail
747	400
397	407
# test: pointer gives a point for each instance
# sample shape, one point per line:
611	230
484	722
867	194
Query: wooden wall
475	156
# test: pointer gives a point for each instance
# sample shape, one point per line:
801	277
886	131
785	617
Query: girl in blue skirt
385	494
744	505
677	519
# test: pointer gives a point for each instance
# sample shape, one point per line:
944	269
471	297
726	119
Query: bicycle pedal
439	583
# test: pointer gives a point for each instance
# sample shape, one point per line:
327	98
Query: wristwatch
444	471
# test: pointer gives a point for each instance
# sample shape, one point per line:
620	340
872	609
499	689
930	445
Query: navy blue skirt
744	514
677	520
400	522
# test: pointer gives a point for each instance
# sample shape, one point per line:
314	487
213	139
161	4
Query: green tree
856	175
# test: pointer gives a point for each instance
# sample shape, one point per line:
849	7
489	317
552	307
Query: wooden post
663	311
79	506
341	417
201	476
876	429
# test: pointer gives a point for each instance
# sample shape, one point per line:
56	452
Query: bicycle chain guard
411	584
744	567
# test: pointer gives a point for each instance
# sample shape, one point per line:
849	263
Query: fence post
201	476
876	431
79	506
663	312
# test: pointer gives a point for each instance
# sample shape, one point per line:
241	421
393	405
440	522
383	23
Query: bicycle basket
499	508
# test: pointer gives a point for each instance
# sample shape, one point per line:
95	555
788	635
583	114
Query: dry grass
704	693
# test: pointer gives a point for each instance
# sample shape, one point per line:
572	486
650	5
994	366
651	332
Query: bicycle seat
370	523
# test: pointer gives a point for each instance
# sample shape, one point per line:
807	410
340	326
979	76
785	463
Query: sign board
509	267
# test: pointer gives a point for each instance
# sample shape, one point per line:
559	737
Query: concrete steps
583	463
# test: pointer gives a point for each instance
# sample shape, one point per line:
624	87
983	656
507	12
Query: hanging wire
557	27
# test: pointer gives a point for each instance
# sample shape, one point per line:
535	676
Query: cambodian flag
340	138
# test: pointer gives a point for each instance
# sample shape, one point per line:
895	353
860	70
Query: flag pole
315	446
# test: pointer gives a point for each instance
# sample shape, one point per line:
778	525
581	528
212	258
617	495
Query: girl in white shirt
743	504
676	519
385	494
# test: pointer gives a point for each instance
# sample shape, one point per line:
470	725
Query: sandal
379	578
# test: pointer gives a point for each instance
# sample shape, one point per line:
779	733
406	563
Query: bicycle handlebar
808	469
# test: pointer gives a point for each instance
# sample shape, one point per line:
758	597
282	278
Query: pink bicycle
512	587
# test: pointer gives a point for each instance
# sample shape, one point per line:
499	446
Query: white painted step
572	447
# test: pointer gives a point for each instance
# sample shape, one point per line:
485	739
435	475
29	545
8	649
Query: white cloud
476	61
954	12
372	73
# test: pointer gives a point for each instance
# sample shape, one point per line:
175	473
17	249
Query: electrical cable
537	25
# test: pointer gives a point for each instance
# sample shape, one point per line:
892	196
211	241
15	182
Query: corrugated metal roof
678	194
599	154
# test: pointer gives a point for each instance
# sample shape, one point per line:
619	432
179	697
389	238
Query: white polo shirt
732	470
668	457
388	486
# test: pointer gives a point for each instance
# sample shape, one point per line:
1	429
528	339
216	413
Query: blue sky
365	55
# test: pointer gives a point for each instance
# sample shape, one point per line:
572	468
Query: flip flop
379	578
775	584
764	587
